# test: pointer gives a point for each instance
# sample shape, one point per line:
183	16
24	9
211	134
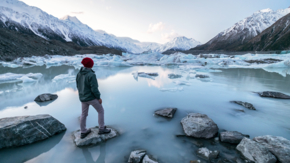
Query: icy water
130	103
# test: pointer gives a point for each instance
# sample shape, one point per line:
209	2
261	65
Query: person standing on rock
89	94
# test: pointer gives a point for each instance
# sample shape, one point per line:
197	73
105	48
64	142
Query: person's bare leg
85	110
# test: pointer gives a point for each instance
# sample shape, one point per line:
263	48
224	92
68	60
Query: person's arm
94	87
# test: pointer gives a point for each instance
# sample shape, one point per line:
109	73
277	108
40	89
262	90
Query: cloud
169	36
77	13
108	7
156	27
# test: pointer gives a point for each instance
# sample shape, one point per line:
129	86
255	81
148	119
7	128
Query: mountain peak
72	19
266	10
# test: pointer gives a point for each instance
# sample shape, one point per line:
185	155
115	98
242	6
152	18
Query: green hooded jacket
87	85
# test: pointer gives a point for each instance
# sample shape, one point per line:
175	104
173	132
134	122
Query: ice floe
25	78
202	62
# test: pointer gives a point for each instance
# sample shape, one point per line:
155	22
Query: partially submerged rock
22	130
255	151
199	126
174	76
277	145
45	97
168	112
245	104
201	76
233	137
93	138
207	154
136	156
273	95
149	159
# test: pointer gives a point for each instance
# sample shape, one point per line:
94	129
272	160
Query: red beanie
88	62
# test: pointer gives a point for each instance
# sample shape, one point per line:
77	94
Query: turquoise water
130	104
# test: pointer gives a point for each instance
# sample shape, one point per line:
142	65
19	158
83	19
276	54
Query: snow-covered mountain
244	30
18	16
179	43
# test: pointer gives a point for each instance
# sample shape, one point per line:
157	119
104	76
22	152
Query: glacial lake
130	103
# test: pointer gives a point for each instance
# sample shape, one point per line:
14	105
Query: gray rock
93	138
168	112
45	97
255	151
136	156
233	137
277	145
149	159
199	126
273	95
22	130
201	76
245	104
174	76
207	154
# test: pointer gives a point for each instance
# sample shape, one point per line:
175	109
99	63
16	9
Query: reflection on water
129	106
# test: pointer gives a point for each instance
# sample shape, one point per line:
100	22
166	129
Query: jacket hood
84	70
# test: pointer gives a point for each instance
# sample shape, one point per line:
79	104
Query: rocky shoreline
198	128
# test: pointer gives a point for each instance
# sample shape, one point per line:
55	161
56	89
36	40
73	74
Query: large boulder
22	130
199	126
136	156
277	145
245	104
149	159
255	151
93	138
273	95
233	137
168	112
45	97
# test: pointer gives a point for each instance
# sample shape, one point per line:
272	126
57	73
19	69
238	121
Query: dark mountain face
18	42
276	37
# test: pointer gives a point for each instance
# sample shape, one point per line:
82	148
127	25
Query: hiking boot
83	135
104	131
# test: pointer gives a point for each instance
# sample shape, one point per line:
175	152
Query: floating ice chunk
174	76
174	89
64	77
26	79
11	77
10	64
179	82
135	75
208	70
144	75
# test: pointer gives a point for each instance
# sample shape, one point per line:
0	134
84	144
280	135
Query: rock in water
207	154
136	156
273	95
255	151
45	97
233	137
17	131
149	159
277	145
201	76
199	126
174	76
168	112
245	104
93	138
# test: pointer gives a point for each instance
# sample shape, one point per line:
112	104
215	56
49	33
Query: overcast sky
158	20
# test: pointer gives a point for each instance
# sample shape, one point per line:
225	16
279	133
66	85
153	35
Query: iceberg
25	78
